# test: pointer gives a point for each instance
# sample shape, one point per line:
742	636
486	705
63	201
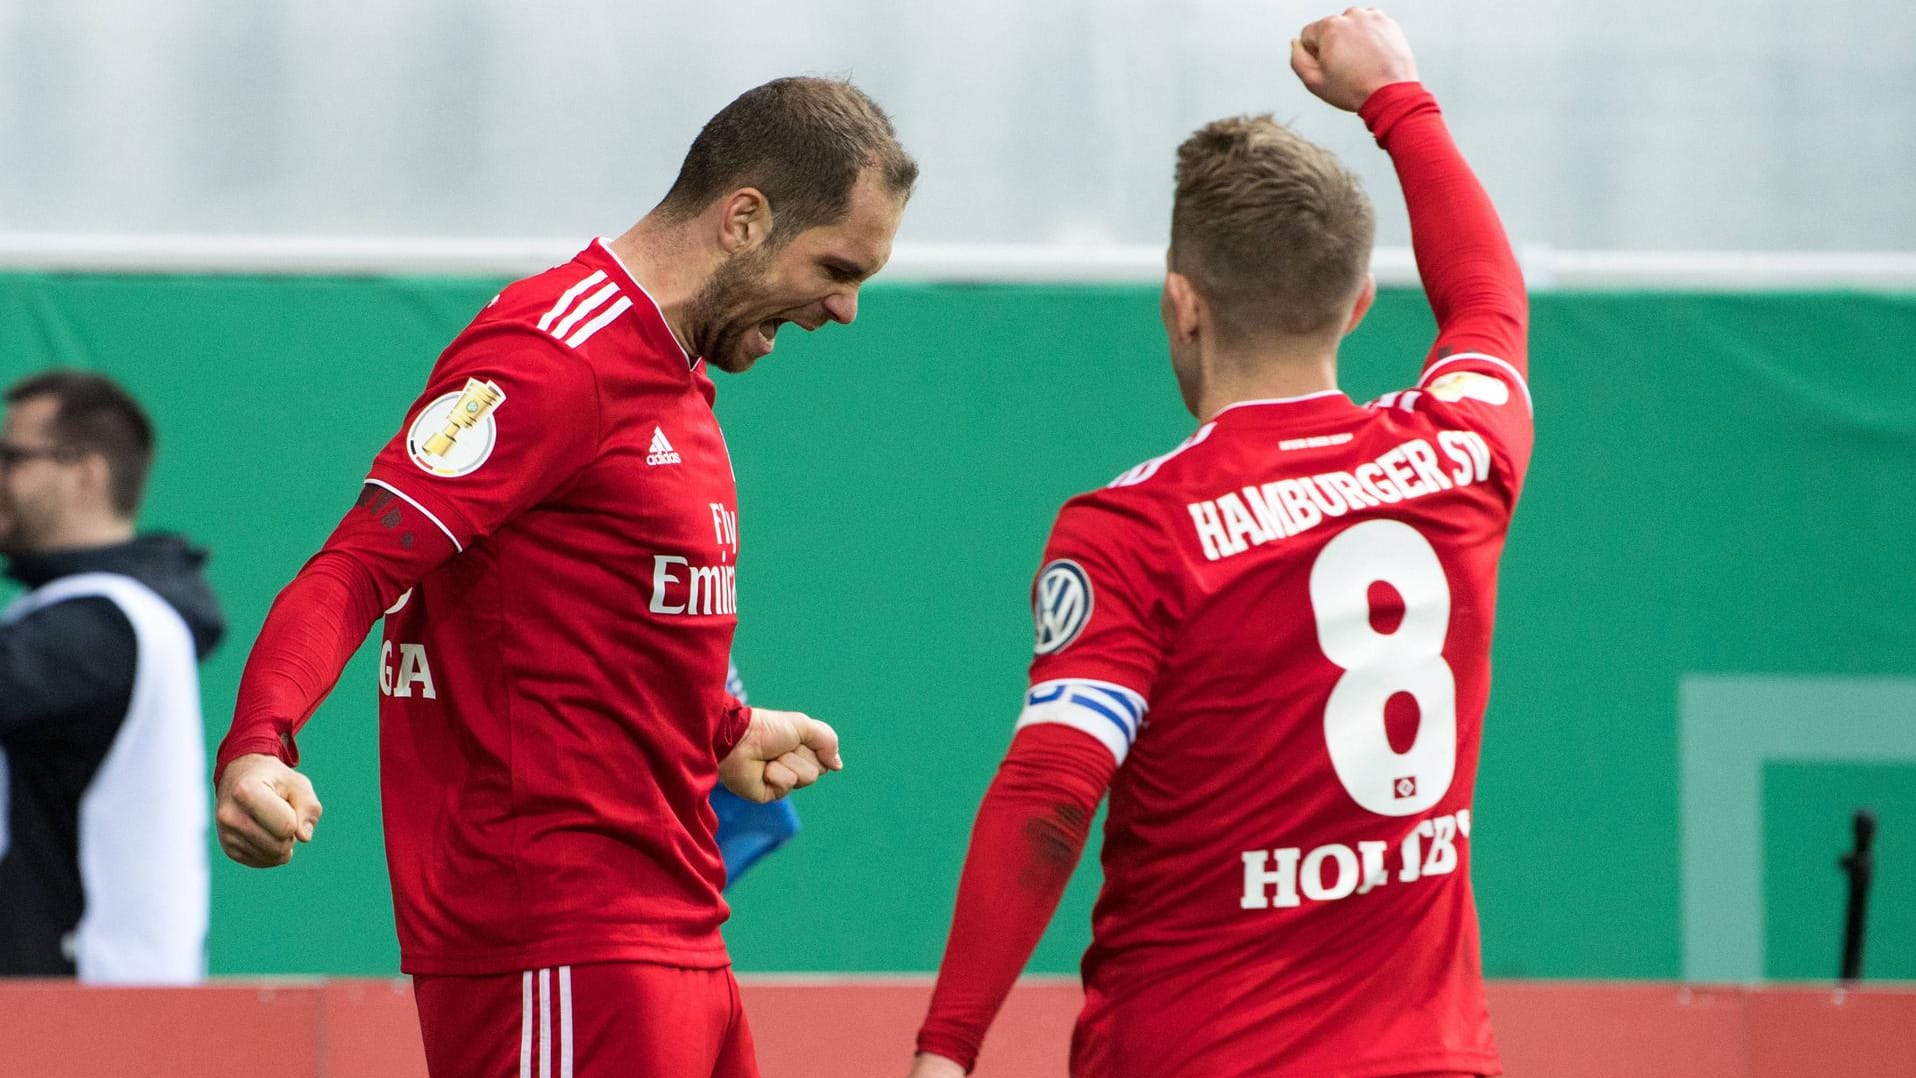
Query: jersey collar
1324	403
655	326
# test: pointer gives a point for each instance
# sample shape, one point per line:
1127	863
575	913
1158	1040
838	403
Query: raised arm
1360	62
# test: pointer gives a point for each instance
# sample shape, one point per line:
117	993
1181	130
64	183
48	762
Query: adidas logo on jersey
662	451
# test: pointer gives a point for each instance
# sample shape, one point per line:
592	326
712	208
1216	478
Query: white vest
143	819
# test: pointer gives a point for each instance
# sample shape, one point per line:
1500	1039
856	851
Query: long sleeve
538	429
379	550
1469	271
1030	832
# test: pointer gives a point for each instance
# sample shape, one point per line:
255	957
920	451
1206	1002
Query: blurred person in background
552	536
1272	644
103	802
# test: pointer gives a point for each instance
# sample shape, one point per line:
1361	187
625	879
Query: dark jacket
66	680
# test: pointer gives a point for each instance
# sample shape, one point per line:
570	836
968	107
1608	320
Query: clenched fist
782	751
1346	58
264	807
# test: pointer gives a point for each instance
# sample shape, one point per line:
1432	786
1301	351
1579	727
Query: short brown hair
803	142
96	415
1272	229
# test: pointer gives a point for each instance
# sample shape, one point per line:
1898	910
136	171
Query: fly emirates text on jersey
679	587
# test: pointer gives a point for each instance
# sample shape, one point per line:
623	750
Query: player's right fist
264	807
1346	58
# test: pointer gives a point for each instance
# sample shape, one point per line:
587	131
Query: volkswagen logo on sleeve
1061	604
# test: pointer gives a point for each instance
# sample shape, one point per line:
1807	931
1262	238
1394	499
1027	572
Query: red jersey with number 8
1282	631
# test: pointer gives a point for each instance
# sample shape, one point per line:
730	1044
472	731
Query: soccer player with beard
1272	644
553	539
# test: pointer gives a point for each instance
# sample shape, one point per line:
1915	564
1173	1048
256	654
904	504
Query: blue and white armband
1111	713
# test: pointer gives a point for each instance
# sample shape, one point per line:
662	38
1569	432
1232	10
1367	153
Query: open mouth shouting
759	343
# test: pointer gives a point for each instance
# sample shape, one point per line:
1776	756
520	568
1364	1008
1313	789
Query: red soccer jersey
1279	633
552	702
1282	632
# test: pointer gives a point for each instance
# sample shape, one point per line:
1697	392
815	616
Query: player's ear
1365	297
1182	307
745	220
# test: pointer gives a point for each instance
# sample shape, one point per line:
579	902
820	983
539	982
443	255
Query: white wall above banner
1718	125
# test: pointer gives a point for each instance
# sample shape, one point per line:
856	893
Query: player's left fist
781	751
1346	58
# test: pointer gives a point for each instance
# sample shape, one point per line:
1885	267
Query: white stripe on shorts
525	1027
545	1023
565	1022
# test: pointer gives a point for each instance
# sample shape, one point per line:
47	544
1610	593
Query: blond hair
1272	229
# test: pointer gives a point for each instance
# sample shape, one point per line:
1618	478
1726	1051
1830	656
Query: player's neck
663	263
1271	373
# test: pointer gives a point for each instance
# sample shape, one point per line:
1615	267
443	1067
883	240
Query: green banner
1721	488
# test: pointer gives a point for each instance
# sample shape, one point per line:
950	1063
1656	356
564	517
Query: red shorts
605	1020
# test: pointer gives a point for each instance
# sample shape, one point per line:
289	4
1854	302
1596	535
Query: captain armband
1112	714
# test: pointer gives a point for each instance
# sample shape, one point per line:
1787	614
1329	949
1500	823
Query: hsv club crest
1462	385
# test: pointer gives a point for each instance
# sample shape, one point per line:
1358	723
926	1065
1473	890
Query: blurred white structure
1752	125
